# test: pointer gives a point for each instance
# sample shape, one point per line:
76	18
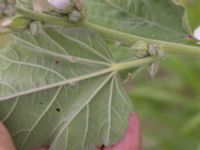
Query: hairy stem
132	64
129	39
126	38
46	18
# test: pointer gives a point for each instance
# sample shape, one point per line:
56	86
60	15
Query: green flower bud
140	49
15	23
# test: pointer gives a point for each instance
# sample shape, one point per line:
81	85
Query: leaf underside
57	88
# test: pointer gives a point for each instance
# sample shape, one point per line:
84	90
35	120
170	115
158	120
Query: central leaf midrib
65	82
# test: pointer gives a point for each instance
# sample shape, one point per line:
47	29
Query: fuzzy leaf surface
57	88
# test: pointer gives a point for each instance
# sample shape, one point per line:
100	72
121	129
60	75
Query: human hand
6	142
5	139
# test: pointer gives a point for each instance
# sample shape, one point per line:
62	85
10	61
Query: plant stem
131	64
45	18
129	39
126	38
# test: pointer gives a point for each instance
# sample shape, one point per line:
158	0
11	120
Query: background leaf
169	105
161	20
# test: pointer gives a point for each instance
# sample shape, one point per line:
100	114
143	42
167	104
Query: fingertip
5	139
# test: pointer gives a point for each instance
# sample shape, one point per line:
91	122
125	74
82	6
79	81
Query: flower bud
153	50
15	23
197	34
59	4
140	49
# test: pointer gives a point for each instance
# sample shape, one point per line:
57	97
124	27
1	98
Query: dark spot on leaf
57	61
41	103
58	109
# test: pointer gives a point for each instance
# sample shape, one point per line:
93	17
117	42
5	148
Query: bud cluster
72	8
7	8
142	49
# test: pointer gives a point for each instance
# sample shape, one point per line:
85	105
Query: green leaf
156	19
59	88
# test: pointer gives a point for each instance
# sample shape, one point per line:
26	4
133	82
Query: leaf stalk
131	64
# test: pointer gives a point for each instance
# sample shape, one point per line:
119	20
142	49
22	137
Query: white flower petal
59	4
197	33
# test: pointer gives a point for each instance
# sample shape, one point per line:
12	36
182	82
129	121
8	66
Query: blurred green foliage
169	106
